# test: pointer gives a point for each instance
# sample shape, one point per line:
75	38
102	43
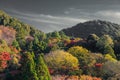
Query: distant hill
93	27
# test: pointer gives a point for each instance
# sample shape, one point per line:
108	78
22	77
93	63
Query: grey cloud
107	14
47	21
50	15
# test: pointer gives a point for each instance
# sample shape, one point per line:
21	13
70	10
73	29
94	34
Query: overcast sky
51	15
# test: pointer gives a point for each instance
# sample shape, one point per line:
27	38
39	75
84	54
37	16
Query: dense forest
27	53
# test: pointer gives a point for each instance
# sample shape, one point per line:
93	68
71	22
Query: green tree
91	41
41	69
15	44
62	34
55	34
117	47
93	37
28	67
22	44
105	44
36	40
39	47
29	46
104	41
109	50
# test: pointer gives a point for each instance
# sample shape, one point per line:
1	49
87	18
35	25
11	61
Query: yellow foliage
57	59
110	58
76	50
83	55
67	41
15	60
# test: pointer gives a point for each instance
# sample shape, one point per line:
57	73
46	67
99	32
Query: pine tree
41	69
15	44
29	46
28	67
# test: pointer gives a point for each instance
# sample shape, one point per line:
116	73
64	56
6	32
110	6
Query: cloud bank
46	23
70	17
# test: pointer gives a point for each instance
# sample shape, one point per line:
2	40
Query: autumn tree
108	57
59	59
82	54
4	47
86	77
4	57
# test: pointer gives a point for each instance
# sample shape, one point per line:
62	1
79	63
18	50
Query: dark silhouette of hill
97	27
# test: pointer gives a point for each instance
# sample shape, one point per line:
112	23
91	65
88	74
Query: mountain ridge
98	27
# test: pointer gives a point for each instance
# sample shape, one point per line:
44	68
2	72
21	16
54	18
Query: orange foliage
71	41
4	57
13	49
98	65
73	78
85	77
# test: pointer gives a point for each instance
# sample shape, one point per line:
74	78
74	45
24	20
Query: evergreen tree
15	44
36	40
91	42
28	67
55	34
41	69
109	50
62	35
104	42
29	46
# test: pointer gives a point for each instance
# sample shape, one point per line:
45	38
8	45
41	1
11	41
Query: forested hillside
97	27
27	53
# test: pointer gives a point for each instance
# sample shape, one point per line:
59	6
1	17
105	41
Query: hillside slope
22	30
93	27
